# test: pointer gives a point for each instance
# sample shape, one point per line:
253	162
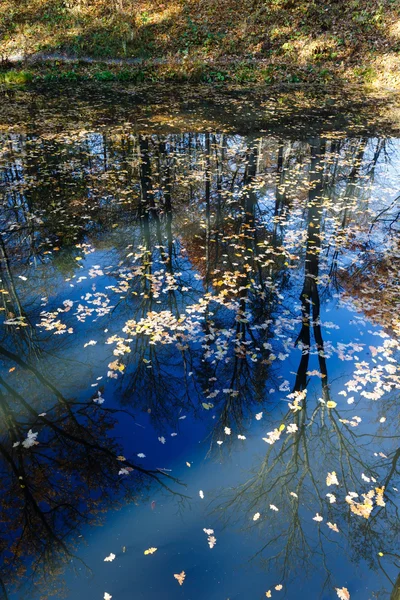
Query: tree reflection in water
181	258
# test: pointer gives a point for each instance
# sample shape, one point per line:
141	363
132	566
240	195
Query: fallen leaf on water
333	526
30	439
268	594
278	587
318	518
256	517
150	551
207	405
343	593
292	428
331	404
211	539
273	507
331	479
109	558
180	577
125	471
107	596
201	494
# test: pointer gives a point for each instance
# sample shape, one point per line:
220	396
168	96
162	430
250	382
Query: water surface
198	354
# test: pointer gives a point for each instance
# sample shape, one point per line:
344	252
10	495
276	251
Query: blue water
185	273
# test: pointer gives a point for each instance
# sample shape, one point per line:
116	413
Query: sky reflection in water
200	330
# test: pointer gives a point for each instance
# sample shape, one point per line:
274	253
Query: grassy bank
220	73
212	40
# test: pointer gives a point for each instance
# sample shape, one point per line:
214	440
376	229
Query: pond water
199	341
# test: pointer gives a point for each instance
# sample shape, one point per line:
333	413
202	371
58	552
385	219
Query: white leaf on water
109	558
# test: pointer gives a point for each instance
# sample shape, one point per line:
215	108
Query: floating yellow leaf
207	405
180	577
343	593
331	479
331	404
150	551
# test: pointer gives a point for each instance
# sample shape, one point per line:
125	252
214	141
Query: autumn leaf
180	577
331	479
211	539
318	518
343	593
150	551
207	405
109	558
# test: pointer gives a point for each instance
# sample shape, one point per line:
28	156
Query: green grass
16	77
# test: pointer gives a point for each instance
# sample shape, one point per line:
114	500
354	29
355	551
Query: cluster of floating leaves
221	251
